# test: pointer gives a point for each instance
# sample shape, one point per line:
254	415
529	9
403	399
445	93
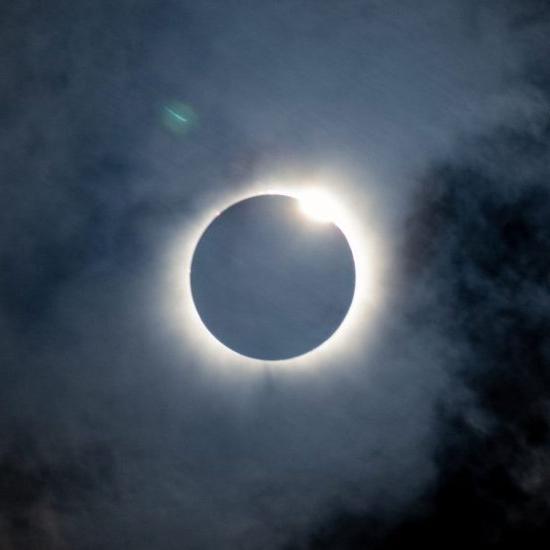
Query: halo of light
370	266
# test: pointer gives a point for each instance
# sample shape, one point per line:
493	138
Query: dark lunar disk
270	283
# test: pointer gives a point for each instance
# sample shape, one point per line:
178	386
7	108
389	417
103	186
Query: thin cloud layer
110	436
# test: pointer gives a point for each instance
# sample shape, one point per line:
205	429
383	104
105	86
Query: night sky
123	123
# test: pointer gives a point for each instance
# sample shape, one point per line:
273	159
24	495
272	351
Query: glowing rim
182	316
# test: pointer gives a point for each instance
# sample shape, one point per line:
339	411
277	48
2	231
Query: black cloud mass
432	430
485	253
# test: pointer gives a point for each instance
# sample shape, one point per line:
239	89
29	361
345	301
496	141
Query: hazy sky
430	428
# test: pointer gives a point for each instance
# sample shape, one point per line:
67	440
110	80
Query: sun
317	206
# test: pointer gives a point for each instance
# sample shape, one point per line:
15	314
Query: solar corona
280	275
268	284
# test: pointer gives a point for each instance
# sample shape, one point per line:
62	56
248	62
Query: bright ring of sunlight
269	282
318	204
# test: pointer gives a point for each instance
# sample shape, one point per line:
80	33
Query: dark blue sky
432	429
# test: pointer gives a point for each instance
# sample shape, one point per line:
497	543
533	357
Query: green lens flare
179	117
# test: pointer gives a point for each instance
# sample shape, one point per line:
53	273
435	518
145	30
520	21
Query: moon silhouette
270	283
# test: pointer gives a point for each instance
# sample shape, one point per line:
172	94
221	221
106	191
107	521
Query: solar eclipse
325	203
269	282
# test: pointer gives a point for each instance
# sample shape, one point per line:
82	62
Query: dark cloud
489	252
38	490
479	239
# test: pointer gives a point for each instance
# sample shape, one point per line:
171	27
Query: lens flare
179	118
